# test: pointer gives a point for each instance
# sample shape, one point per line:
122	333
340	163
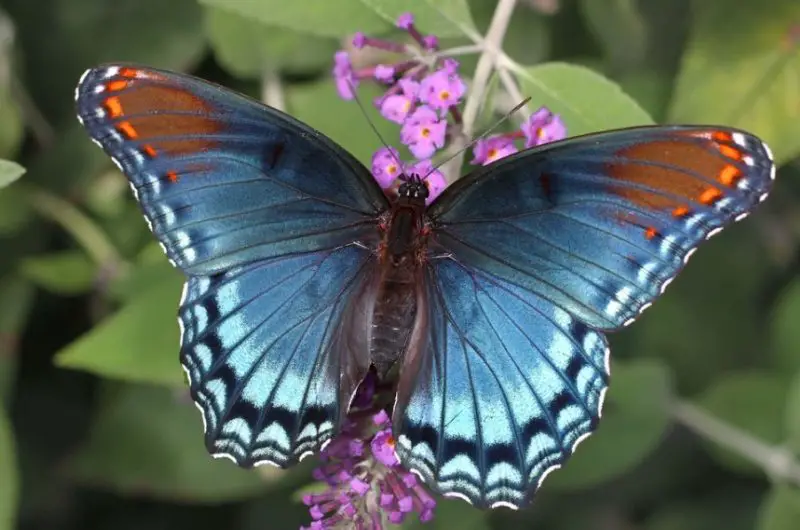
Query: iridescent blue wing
600	224
270	353
269	220
222	179
532	258
501	389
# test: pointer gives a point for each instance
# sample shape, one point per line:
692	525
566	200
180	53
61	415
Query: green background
702	430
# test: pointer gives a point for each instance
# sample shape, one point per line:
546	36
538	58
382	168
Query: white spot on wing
738	138
547	472
503	504
111	71
457	495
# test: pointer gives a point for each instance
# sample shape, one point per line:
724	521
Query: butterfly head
413	189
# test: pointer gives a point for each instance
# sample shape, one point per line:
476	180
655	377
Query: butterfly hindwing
599	225
508	386
222	179
267	356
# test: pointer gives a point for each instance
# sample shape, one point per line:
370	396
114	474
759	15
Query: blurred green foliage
97	430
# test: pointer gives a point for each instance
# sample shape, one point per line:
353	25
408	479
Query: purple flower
423	132
493	148
542	127
434	179
343	75
396	107
384	73
430	42
365	488
442	89
359	40
405	21
386	166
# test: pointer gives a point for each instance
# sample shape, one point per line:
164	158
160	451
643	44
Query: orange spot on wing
680	211
172	176
722	136
126	128
149	151
710	196
116	85
729	175
114	107
650	232
730	152
128	72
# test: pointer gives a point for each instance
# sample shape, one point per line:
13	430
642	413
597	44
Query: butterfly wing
504	387
534	256
271	365
599	225
222	179
269	220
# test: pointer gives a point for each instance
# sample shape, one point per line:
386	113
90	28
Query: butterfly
492	302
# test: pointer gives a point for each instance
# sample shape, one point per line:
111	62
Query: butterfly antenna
372	126
483	135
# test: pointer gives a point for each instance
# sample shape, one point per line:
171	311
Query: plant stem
272	90
777	462
483	71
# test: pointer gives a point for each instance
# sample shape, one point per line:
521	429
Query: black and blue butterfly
491	304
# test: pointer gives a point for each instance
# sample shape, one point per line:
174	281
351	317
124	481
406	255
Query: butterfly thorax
402	245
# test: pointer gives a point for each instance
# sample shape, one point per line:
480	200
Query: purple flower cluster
366	485
423	96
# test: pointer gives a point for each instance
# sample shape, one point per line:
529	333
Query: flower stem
483	71
272	89
486	63
777	462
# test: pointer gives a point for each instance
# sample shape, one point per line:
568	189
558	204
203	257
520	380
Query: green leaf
9	481
792	417
633	424
148	441
752	401
650	88
449	514
84	33
752	80
68	272
15	210
318	17
319	105
785	332
620	29
443	18
137	343
586	101
16	300
9	172
248	47
780	510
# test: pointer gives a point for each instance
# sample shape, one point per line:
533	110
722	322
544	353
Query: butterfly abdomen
396	303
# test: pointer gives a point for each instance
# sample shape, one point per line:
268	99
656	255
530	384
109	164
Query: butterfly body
401	255
490	305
